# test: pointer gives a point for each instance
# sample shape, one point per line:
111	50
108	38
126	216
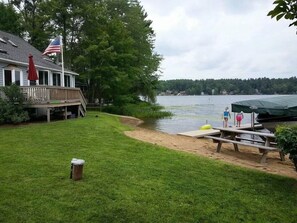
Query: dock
200	133
210	132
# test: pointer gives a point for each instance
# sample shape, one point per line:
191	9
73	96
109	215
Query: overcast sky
202	39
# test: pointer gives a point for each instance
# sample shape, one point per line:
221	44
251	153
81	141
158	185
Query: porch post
48	113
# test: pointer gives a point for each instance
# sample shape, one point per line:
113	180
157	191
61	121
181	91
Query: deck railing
51	94
38	95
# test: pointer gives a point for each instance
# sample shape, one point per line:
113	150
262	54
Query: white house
52	92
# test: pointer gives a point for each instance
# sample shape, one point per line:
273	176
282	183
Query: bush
140	110
286	138
113	109
11	105
145	110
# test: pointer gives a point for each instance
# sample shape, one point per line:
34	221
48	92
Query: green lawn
126	180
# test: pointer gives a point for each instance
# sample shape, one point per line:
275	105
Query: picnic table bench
232	135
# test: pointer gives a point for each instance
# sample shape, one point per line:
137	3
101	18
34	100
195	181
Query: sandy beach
247	157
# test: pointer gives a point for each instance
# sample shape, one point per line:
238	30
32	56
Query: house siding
24	74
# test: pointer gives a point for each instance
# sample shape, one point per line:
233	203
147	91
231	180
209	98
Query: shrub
113	109
139	110
145	110
286	138
11	105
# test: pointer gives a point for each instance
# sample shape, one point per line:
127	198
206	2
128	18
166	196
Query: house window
67	81
17	77
7	77
43	77
56	79
12	76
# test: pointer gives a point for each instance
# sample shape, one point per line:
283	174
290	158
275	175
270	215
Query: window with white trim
43	77
56	79
17	77
67	81
12	76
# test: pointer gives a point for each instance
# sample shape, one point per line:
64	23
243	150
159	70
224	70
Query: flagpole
62	58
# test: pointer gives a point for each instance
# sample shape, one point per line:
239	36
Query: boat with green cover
271	111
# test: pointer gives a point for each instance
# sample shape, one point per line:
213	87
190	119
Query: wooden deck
51	97
209	132
200	133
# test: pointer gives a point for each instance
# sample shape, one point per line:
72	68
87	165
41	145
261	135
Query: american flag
54	46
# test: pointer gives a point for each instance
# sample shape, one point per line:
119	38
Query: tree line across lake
228	86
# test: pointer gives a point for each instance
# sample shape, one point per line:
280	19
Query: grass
126	180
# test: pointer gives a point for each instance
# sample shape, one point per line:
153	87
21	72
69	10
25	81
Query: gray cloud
221	39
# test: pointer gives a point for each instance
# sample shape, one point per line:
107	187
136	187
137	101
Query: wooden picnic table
265	144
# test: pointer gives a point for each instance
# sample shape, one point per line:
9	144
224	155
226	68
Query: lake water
191	112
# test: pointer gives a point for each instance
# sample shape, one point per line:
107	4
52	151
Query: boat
272	111
270	122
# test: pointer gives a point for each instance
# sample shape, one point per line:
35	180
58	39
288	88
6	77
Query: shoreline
247	157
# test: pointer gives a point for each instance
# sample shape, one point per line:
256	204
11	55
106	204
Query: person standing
239	118
226	116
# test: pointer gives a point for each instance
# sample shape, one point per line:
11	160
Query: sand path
247	157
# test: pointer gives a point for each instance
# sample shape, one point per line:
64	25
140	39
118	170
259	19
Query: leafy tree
102	58
10	19
146	60
285	9
35	21
67	18
116	58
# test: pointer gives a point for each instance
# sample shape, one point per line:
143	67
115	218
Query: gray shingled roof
20	53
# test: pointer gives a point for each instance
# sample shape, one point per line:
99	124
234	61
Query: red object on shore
32	74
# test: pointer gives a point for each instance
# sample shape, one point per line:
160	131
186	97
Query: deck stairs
83	107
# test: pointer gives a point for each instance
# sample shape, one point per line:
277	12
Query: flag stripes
53	47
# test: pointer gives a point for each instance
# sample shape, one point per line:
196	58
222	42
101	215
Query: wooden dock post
48	114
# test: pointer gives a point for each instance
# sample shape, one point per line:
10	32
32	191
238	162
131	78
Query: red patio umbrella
32	74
